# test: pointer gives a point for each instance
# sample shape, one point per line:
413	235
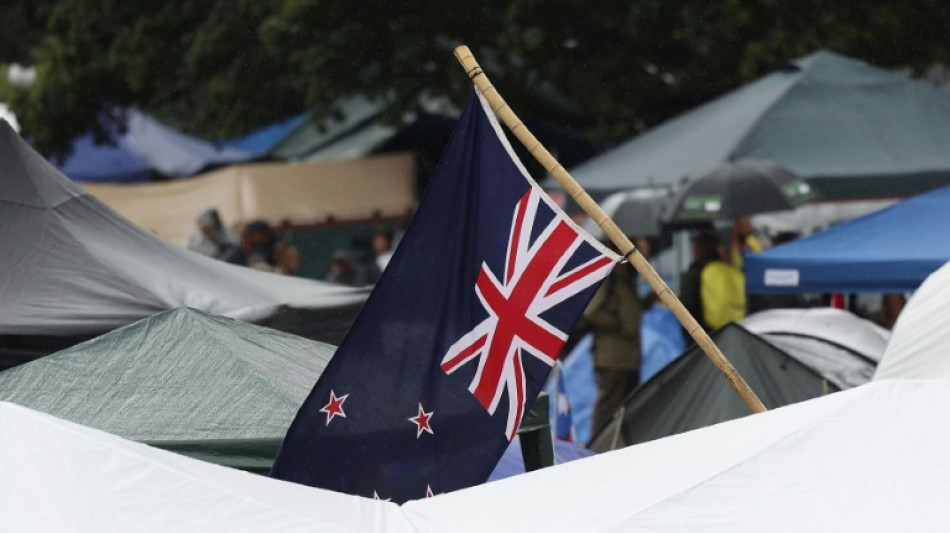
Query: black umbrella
737	189
636	212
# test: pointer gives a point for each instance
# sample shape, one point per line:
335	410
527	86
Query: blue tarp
89	161
512	462
891	250
147	148
262	141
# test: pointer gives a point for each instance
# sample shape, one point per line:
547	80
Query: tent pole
474	71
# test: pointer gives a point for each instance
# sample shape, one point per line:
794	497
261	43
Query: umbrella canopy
848	128
636	212
737	189
891	250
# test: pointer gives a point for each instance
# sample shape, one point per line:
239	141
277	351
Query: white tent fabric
919	347
871	458
72	266
838	463
825	323
60	476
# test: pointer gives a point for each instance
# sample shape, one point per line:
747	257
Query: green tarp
852	130
691	392
213	388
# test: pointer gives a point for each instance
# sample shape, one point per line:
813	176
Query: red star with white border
376	497
421	421
429	493
334	407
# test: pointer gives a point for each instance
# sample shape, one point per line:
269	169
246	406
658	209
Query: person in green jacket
614	316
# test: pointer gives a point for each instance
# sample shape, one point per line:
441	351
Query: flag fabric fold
455	342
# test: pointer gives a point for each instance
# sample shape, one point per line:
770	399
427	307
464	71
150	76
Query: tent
691	393
512	461
209	387
144	148
891	250
59	476
872	458
919	347
306	193
73	269
261	141
836	463
841	346
850	129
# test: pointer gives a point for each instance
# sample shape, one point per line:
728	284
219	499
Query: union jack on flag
533	281
458	337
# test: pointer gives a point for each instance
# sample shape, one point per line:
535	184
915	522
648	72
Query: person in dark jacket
614	316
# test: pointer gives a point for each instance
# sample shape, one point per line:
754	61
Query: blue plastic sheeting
105	163
892	250
512	462
661	339
147	148
262	141
580	385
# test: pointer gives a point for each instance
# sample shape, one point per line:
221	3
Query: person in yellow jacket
713	291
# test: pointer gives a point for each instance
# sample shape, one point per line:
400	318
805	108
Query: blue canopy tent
891	250
145	149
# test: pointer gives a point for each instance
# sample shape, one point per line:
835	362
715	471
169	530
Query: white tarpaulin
873	458
72	267
60	476
920	343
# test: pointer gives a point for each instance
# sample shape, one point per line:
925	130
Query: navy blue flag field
456	340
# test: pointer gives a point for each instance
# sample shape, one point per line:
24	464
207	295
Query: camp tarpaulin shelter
73	269
209	387
299	193
61	476
767	472
848	128
891	250
871	458
690	393
919	347
143	149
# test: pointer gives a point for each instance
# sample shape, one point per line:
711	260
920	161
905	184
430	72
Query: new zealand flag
457	338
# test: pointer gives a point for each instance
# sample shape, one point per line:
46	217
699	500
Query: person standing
614	316
713	290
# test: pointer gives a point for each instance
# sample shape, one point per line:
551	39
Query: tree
220	68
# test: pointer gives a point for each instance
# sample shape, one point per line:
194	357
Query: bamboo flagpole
636	259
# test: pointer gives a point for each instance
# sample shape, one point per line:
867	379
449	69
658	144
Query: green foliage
220	68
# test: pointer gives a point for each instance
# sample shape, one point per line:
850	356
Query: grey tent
691	393
213	388
850	129
73	269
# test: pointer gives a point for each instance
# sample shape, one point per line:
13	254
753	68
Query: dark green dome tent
691	392
209	387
